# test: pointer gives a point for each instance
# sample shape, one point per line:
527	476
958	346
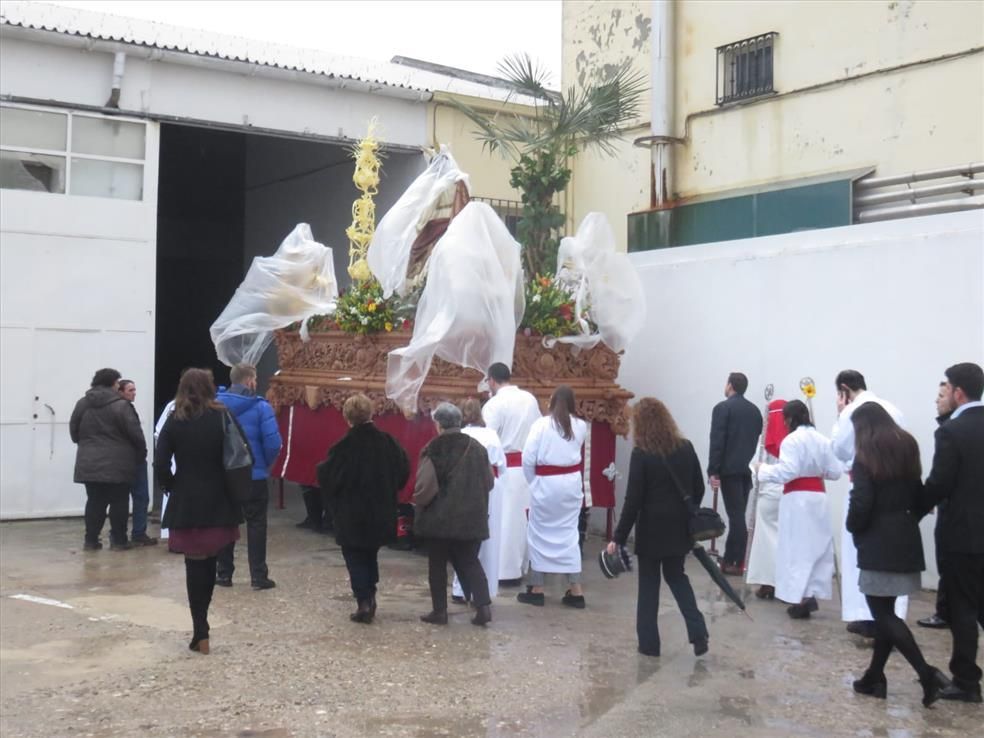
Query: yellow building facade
769	136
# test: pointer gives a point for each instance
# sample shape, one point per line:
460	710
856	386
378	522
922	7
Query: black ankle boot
364	613
933	683
483	615
871	685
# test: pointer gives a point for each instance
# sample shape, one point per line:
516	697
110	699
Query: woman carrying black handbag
662	462
202	513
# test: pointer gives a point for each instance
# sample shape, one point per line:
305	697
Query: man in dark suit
735	428
957	479
939	618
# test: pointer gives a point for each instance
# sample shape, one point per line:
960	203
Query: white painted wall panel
899	301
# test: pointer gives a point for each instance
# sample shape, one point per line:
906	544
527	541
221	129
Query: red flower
565	312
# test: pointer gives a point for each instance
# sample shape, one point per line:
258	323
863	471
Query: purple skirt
201	541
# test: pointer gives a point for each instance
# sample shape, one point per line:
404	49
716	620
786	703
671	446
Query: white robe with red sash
488	554
511	413
553	468
805	550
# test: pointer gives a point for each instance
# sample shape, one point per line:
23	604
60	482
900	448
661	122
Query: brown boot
483	615
766	592
363	614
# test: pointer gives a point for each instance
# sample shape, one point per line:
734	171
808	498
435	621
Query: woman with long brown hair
201	514
662	470
553	466
887	500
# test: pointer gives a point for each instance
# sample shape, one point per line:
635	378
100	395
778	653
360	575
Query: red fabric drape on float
308	434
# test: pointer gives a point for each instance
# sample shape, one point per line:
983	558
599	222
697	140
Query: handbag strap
676	482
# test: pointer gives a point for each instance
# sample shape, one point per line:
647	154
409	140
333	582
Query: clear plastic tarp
470	306
298	281
604	282
389	251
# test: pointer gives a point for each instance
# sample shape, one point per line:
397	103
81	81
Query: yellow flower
371	307
388	326
810	391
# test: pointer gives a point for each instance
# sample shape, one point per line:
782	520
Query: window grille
744	68
511	212
71	153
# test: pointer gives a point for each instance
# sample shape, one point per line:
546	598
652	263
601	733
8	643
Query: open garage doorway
225	197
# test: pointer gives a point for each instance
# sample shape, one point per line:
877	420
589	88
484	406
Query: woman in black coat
360	479
886	503
664	467
201	514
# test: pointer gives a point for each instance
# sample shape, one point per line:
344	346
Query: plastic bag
298	281
389	250
470	306
605	283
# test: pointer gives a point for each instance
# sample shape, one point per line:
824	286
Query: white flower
364	320
536	298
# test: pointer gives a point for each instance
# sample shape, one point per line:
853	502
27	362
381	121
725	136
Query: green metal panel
806	207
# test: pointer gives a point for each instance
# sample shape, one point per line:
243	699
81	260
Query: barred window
744	68
71	153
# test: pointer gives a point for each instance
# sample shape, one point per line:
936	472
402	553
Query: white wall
898	301
54	72
77	293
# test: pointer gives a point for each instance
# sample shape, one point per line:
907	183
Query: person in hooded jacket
260	426
111	446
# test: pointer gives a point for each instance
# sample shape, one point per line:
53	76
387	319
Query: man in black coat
940	617
111	446
957	479
736	425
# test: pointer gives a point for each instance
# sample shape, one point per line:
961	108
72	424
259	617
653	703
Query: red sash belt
548	470
804	484
514	458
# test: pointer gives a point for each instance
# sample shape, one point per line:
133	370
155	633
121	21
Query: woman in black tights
202	516
886	504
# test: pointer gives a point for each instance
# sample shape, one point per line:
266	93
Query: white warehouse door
78	219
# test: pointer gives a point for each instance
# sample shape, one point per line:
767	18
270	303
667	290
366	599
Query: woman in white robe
761	569
488	554
805	551
553	466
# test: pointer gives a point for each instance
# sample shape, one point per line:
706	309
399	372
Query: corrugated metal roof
119	29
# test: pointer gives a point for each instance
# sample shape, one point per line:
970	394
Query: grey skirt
889	583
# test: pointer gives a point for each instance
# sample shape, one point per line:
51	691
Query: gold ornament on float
366	178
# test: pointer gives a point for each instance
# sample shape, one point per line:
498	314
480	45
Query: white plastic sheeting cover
389	251
469	308
298	281
605	283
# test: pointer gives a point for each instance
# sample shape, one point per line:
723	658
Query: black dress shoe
224	581
364	613
803	609
91	546
265	583
766	592
572	600
458	600
531	598
863	628
955	693
436	618
933	621
933	685
872	686
700	647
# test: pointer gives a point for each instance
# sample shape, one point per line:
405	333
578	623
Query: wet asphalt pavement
106	655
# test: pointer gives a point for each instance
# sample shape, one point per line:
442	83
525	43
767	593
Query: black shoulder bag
705	523
237	459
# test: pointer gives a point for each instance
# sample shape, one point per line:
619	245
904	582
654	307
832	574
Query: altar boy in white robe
553	466
805	552
511	412
852	392
488	554
761	569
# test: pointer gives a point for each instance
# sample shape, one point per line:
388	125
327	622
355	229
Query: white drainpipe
662	96
119	66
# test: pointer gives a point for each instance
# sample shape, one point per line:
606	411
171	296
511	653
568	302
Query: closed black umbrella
718	576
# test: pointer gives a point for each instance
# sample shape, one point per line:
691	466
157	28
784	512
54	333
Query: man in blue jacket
260	426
